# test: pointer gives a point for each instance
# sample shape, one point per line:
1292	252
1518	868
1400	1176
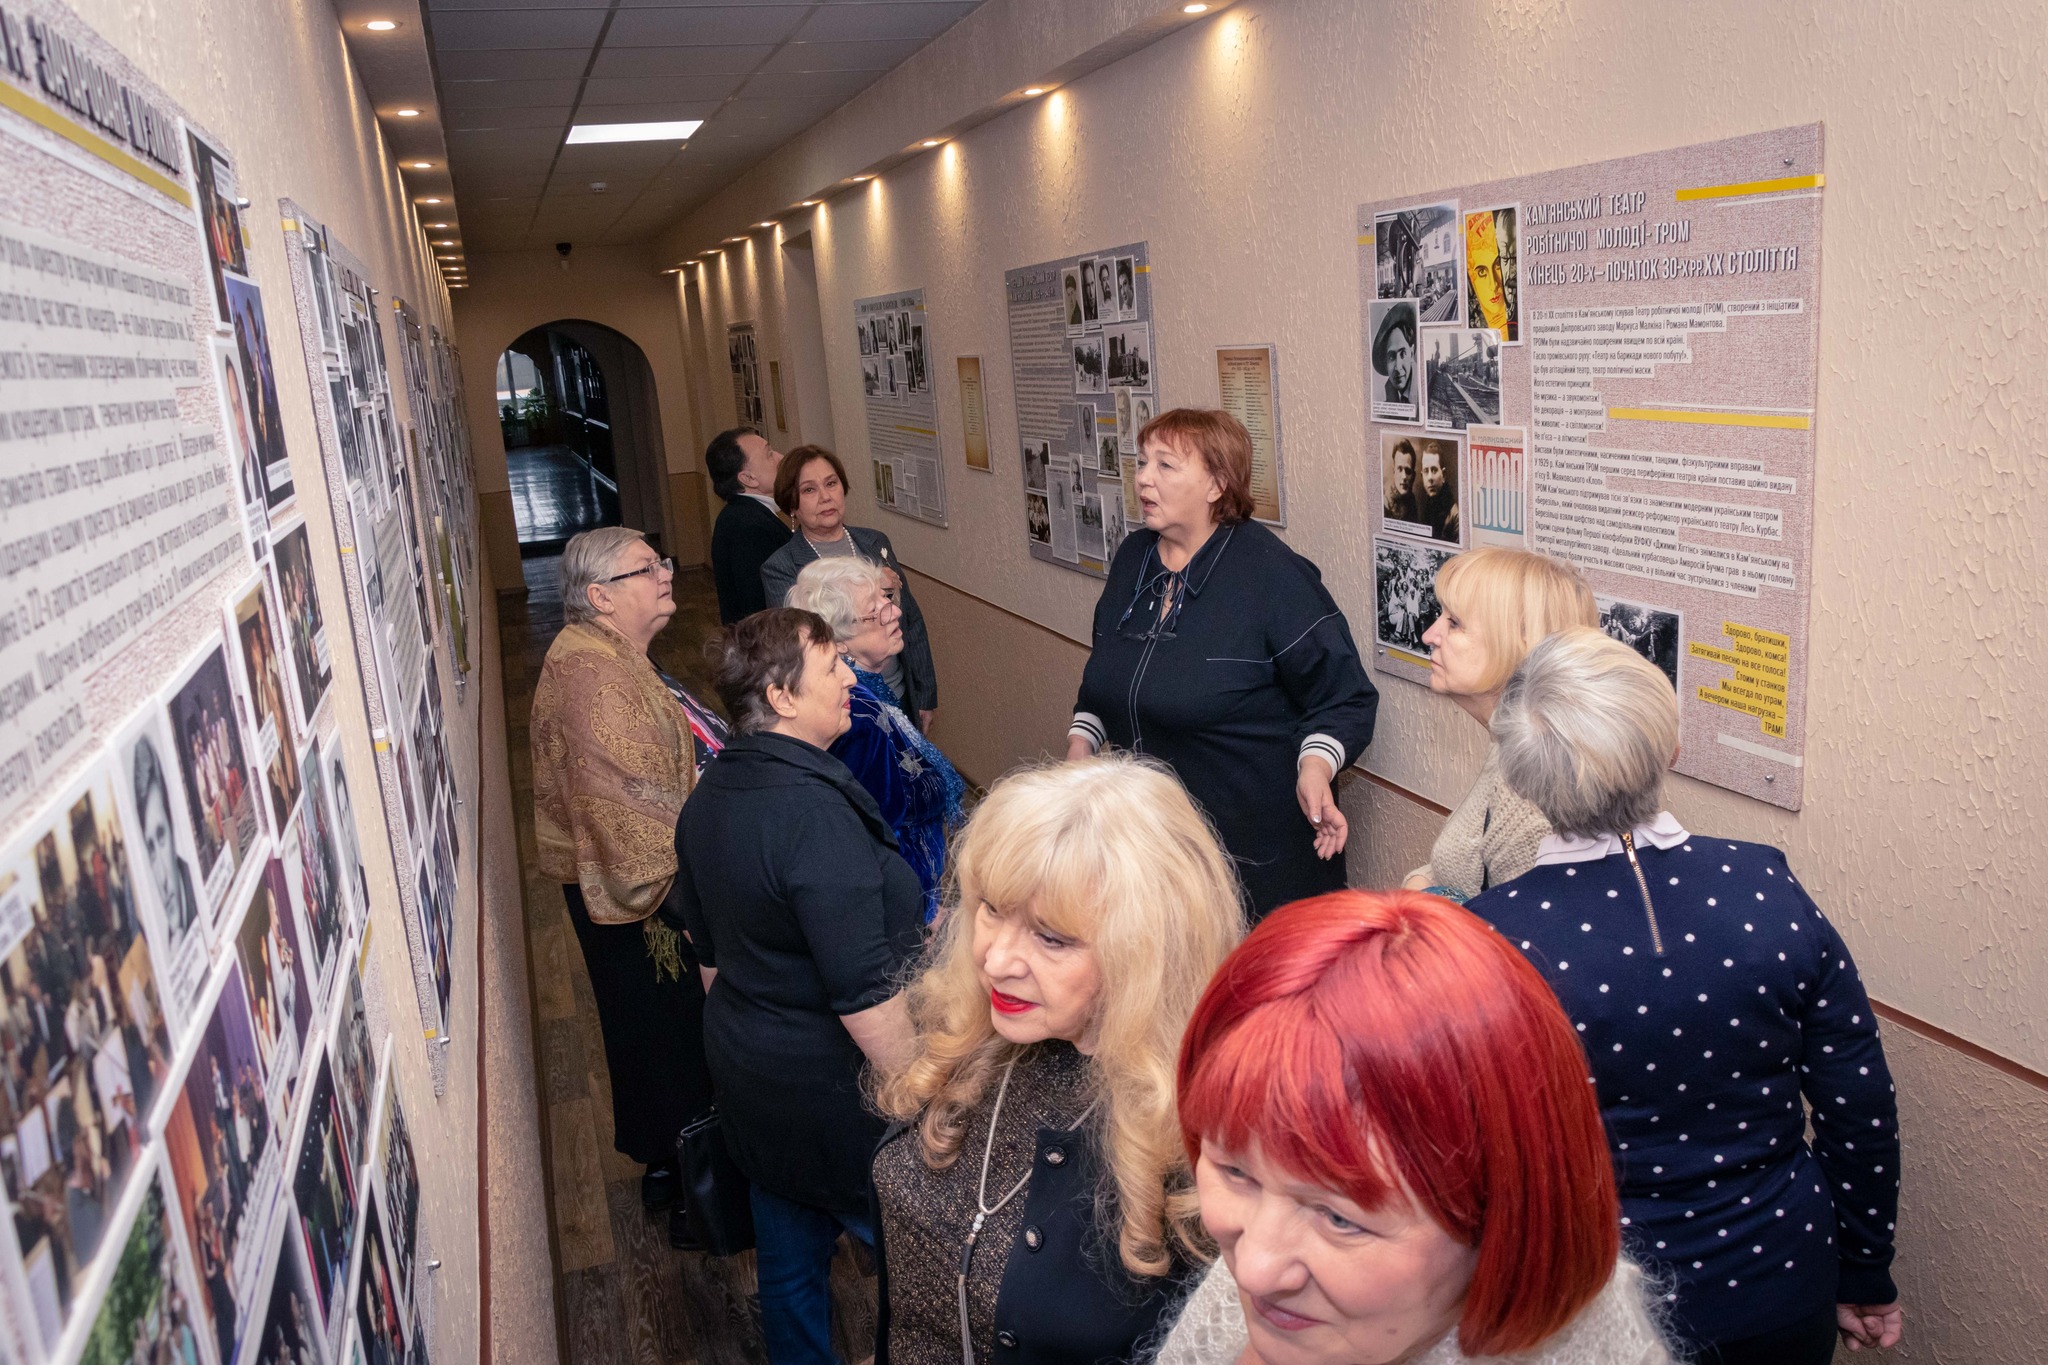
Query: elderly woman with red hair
1397	1153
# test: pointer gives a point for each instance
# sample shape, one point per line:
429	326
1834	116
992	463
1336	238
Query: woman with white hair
1711	994
613	761
1035	1202
914	784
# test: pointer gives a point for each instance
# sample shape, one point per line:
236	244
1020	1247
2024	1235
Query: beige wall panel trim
691	504
501	539
1218	144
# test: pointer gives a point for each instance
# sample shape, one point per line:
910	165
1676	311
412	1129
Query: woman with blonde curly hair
1034	1202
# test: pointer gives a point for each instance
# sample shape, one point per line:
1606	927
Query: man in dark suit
749	529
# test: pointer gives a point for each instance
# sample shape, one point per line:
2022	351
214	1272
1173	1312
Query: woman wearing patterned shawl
914	784
615	753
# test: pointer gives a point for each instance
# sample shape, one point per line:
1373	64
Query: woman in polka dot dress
1711	995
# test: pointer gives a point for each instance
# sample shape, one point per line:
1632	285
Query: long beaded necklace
985	1210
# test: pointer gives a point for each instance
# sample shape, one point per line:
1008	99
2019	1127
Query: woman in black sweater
1218	649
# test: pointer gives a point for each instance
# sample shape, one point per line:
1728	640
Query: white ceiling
511	78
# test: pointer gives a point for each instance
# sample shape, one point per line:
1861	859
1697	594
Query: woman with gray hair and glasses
613	760
1711	996
915	785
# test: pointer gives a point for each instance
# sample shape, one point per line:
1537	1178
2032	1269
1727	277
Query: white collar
1663	832
765	501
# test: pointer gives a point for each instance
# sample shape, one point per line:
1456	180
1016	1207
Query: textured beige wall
1238	149
273	82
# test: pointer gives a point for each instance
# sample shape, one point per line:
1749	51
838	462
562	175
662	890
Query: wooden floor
622	1294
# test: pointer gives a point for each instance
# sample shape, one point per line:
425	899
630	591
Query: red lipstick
1008	1004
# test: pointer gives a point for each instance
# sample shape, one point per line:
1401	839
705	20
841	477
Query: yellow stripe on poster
1405	657
37	112
1144	270
919	431
1779	421
291	224
1365	239
1790	182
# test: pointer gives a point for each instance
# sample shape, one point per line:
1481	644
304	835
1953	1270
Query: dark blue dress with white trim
1711	994
915	785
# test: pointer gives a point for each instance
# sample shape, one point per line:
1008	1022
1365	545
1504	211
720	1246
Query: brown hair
1223	446
759	652
791	470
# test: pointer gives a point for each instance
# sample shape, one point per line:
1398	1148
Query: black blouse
792	889
1251	667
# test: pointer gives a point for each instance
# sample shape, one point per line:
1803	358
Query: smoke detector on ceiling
598	187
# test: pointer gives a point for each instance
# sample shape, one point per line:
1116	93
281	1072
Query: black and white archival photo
1037	455
1653	632
1415	252
1130	356
1070	292
1404	584
1396	387
1461	369
1419	485
1088	376
1091	295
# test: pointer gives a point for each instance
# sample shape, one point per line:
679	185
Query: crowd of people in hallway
1111	1064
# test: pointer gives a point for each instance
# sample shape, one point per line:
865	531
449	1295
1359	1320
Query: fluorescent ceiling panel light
632	132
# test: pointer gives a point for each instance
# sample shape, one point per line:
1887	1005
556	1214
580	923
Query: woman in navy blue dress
915	785
1711	995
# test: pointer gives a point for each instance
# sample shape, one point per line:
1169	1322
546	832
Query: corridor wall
1239	149
349	1067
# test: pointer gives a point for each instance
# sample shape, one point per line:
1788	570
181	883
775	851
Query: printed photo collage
405	484
1443	301
894	361
174	927
1080	497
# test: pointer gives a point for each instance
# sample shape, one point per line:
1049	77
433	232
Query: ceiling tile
481	30
779	110
689	25
838	86
888	20
526	64
438	7
462	145
554	116
614	60
655	89
665	112
848	56
506	94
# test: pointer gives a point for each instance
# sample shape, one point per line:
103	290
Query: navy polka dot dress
1706	1015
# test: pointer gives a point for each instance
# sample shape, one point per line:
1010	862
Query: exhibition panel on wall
202	1152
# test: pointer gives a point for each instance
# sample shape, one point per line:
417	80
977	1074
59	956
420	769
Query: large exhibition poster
895	337
1616	364
1082	366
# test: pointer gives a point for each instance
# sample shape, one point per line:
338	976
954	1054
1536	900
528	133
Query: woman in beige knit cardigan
1497	604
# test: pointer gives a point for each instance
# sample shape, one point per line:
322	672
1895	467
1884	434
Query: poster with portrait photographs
1394	386
1419	492
220	218
87	1046
301	620
355	1069
251	481
266	943
253	636
164	859
150	1311
215	778
743	358
901	405
312	864
1085	378
1493	298
288	1332
401	1192
325	1196
380	1325
266	413
225	1158
1461	384
1656	633
1416	257
1404	593
355	878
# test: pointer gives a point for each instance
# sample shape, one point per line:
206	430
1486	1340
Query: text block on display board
1616	364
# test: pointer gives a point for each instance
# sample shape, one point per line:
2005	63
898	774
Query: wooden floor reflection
622	1295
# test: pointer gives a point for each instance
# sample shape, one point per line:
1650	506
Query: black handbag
715	1191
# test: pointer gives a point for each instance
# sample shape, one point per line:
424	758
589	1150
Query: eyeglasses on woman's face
662	565
887	610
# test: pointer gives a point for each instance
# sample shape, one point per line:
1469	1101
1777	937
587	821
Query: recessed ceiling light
408	113
864	176
1035	90
423	165
449	241
1194	9
810	204
632	132
437	225
931	142
380	25
730	240
430	201
769	224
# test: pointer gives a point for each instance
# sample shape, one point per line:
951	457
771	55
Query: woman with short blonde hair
1497	604
1038	1141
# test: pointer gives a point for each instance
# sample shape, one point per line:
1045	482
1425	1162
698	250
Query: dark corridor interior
555	407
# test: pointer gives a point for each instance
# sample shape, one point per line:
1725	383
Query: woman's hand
1079	747
1319	804
1877	1326
1416	882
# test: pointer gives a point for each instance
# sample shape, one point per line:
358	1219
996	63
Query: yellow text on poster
1760	659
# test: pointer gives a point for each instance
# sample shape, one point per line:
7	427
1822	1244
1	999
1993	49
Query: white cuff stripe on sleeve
1325	747
1089	727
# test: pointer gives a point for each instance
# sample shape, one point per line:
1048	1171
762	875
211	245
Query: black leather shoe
659	1186
679	1235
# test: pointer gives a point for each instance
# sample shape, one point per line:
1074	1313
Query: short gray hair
831	588
1586	728
589	558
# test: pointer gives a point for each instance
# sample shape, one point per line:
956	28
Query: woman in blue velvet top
1712	996
914	784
